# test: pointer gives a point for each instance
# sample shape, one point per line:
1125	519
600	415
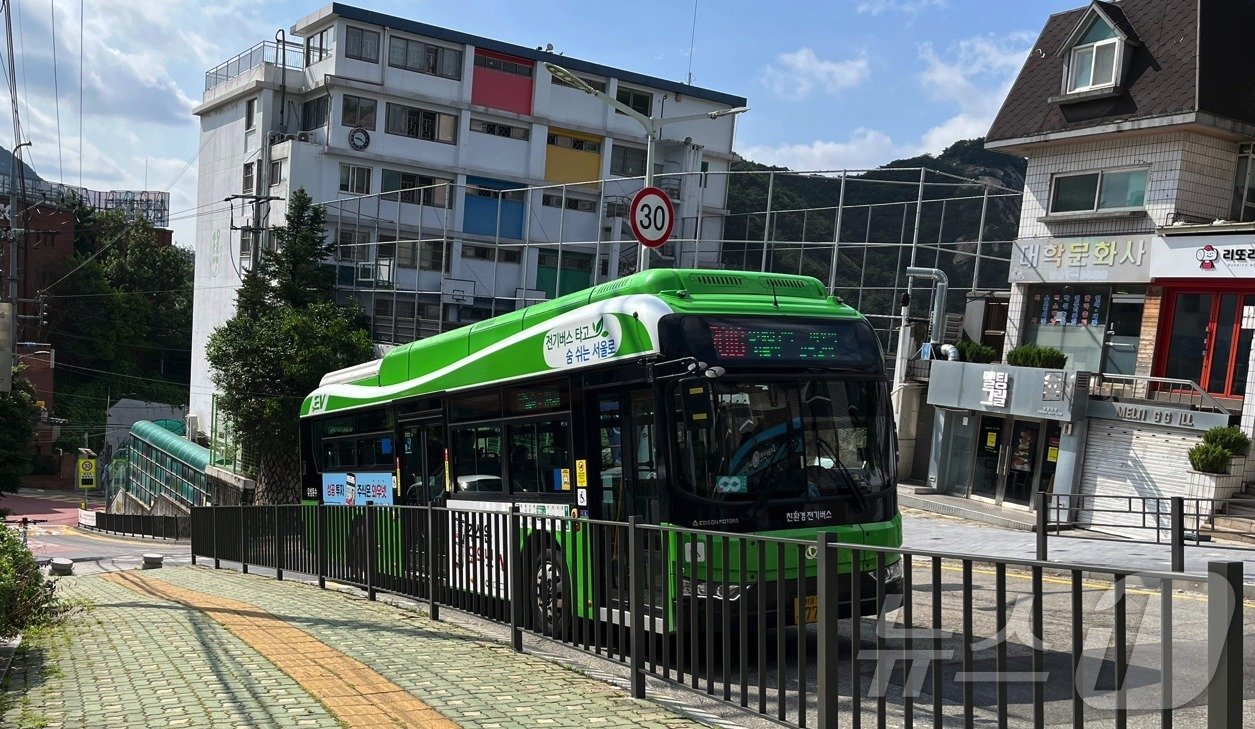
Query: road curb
8	649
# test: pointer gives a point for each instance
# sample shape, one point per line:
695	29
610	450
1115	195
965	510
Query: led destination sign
738	342
765	340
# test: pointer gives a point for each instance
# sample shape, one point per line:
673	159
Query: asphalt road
92	552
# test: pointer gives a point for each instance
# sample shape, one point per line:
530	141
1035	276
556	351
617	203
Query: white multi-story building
459	176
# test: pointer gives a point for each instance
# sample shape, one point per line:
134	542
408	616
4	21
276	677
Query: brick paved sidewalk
197	647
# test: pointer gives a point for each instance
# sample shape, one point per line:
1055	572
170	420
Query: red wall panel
502	89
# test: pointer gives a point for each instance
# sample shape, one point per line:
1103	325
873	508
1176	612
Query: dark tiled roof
1226	79
1160	79
434	31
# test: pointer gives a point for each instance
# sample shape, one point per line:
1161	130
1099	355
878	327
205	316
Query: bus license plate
806	611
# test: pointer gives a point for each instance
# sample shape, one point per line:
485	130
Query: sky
831	84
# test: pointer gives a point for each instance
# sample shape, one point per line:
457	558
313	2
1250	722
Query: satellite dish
549	47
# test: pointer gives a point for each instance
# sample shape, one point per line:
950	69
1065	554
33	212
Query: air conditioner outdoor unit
305	137
193	426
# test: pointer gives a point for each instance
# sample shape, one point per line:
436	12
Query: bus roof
623	313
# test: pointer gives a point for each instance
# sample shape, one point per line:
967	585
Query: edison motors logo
1207	256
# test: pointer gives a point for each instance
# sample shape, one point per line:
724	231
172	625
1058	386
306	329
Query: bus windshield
751	444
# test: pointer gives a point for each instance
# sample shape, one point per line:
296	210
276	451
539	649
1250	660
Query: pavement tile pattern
170	655
136	661
357	695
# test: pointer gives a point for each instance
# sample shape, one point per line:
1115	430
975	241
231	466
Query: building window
490	253
498	129
418	189
599	85
627	161
578	204
319	45
249	183
420	57
355	180
494	193
501	64
249	240
433	126
705	173
567	142
570	261
641	102
358	112
386	248
1244	186
1092	191
314	113
276	172
250	114
361	44
352	245
1093	60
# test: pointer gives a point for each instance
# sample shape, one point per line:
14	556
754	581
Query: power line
80	92
56	90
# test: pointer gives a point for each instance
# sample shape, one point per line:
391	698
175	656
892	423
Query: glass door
1187	340
1124	329
1023	457
1229	358
423	469
1207	343
990	452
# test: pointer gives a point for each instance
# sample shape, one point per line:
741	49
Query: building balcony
290	55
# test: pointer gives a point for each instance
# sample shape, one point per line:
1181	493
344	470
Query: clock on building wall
359	138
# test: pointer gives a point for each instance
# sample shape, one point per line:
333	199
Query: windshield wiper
860	498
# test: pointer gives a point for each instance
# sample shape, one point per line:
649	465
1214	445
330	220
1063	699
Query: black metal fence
1173	520
809	633
143	525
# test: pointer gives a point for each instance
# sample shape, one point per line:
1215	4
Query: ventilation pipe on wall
938	327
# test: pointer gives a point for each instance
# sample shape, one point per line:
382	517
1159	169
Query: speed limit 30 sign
652	217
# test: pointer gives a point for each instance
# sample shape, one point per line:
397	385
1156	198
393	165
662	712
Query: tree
120	319
286	334
18	415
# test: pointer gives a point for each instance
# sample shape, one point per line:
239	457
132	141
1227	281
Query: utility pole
17	192
254	230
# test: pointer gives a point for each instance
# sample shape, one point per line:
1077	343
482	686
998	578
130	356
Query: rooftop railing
293	56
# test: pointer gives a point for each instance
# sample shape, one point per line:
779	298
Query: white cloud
910	7
973	76
794	76
865	149
143	67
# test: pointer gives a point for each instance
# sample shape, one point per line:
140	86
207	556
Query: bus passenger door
423	467
628	472
629	479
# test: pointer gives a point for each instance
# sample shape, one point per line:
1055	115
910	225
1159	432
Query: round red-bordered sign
652	217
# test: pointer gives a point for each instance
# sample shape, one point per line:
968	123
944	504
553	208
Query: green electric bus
736	402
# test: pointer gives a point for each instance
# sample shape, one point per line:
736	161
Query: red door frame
1168	314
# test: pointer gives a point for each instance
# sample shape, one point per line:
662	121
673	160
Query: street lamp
651	124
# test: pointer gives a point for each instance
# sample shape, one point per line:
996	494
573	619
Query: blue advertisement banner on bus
350	489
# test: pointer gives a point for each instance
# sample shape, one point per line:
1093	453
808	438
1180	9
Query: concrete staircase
1237	523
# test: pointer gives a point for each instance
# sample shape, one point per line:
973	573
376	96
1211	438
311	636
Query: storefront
1169	306
1003	434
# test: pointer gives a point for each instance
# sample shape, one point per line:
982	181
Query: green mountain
879	209
6	165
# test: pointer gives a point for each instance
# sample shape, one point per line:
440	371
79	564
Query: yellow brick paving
357	695
200	637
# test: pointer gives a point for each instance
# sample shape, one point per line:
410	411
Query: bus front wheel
551	593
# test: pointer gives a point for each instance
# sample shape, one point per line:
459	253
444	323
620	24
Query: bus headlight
893	572
734	591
